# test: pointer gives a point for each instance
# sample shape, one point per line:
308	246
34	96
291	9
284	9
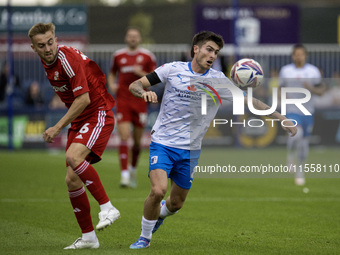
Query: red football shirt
73	74
123	63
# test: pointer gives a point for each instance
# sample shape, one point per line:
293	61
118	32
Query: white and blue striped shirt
180	123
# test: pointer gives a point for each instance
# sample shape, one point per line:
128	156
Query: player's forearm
259	105
111	78
136	88
290	127
142	73
77	107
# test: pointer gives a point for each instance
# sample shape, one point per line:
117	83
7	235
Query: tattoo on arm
137	89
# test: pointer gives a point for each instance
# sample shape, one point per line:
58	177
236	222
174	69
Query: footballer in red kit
128	65
81	85
74	74
68	79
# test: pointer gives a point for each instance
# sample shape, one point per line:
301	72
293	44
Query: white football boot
106	218
83	244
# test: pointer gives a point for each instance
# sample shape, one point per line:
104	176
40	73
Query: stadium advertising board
68	19
71	21
254	24
26	133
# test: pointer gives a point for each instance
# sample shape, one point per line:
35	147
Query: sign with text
68	19
254	24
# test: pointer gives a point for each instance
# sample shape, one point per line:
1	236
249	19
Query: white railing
27	65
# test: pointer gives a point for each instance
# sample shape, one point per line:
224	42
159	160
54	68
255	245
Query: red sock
135	155
90	178
123	156
81	208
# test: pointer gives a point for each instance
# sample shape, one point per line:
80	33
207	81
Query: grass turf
220	216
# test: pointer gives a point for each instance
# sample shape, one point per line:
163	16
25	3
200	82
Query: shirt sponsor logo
127	69
187	94
77	88
60	89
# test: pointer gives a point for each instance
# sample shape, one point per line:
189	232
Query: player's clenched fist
49	134
150	96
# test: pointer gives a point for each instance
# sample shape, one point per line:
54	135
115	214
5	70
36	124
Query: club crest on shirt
139	59
56	75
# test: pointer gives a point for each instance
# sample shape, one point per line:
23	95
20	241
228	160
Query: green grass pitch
220	216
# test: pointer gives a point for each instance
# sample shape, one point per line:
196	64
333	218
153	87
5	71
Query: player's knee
69	159
136	146
72	160
72	182
176	204
124	136
68	181
157	194
300	134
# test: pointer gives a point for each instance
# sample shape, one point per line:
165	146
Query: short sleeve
77	77
163	72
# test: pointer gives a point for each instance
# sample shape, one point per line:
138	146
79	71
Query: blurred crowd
28	94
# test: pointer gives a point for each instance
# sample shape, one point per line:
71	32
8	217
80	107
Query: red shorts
134	112
94	132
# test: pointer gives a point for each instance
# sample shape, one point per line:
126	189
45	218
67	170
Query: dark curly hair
204	36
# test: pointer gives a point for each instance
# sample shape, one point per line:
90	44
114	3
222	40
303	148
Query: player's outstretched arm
289	126
137	89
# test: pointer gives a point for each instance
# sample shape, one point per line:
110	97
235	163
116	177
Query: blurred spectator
33	96
56	103
4	81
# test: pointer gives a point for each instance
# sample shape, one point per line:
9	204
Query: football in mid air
246	73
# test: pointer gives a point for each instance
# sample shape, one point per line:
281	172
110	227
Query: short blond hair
41	28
